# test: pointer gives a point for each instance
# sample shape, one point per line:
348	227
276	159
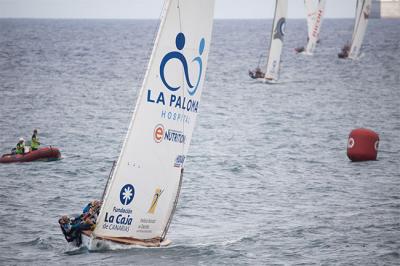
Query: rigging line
272	36
108	180
155	31
172	211
164	233
183	79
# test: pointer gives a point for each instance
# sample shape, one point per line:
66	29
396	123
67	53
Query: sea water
266	181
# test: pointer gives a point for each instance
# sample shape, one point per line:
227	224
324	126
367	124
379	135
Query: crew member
35	140
300	49
257	73
20	149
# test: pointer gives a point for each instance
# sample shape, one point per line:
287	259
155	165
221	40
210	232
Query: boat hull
98	243
45	153
267	81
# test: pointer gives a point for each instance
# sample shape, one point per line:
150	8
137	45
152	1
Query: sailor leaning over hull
345	51
256	73
72	227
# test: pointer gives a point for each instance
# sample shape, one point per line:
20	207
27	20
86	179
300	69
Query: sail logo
176	59
154	202
170	135
180	44
127	194
158	133
280	29
317	24
350	143
179	160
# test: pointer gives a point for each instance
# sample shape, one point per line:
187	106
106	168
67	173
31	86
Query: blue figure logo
180	44
280	29
127	193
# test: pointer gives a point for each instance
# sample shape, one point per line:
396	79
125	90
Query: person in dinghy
256	73
20	148
35	143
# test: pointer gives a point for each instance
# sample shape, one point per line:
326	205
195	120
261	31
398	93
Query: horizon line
91	18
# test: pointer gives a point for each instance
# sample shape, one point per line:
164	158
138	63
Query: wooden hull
106	243
46	153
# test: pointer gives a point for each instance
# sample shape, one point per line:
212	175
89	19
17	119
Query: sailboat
352	50
315	14
270	71
142	192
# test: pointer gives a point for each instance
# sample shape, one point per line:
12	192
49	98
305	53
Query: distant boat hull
268	81
46	153
261	77
113	243
299	50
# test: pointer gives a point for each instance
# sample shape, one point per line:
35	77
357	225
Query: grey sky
151	8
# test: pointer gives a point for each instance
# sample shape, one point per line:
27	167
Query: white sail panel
360	28
359	6
141	194
277	35
313	38
311	10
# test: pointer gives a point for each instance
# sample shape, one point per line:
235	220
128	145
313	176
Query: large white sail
277	35
363	10
141	194
314	35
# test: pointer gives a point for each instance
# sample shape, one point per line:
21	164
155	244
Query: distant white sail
316	28
311	10
363	10
357	16
278	31
142	192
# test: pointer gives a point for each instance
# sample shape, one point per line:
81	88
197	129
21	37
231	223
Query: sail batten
144	187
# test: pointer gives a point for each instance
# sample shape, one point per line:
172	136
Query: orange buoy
362	145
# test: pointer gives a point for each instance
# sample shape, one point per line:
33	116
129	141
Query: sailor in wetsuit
72	227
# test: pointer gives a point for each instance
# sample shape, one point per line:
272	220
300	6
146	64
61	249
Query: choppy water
267	180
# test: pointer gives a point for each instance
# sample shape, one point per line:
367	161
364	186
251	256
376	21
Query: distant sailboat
352	50
142	193
315	14
270	71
